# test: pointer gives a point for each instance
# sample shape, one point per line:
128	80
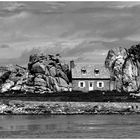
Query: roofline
81	78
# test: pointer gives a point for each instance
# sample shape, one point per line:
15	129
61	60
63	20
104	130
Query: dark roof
90	71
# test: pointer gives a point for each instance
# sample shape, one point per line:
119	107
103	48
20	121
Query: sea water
70	126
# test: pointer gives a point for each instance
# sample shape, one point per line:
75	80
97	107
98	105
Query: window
91	84
81	84
83	71
100	84
96	71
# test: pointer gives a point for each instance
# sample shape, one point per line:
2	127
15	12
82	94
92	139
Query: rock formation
124	65
45	73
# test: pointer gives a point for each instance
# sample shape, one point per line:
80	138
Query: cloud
64	26
122	27
107	7
32	19
21	60
3	46
14	6
122	5
85	49
80	51
8	9
119	43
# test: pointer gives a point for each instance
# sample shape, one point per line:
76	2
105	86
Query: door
91	85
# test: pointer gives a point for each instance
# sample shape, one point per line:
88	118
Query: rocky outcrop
45	73
67	108
125	68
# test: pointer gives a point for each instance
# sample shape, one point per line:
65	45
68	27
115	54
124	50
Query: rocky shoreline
17	107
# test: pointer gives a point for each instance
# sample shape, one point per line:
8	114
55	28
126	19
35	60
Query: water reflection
70	126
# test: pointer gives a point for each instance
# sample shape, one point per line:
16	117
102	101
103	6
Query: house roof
91	71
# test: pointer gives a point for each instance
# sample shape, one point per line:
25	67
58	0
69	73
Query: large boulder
50	68
38	68
129	76
114	62
7	86
53	84
4	77
124	67
30	80
61	74
116	58
26	88
45	73
52	71
38	81
16	88
62	84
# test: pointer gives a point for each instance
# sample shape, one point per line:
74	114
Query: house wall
86	88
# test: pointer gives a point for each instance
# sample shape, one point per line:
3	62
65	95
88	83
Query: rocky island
47	74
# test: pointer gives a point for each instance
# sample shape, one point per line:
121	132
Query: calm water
70	126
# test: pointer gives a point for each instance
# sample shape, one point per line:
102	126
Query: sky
80	31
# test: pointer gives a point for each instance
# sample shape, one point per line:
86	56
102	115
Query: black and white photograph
70	69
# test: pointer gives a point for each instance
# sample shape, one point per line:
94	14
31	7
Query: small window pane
90	84
83	71
81	84
100	84
96	71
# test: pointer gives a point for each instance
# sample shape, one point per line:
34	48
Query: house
89	77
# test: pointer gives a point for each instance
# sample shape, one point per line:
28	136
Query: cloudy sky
83	31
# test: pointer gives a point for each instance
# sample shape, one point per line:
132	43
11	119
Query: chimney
72	64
